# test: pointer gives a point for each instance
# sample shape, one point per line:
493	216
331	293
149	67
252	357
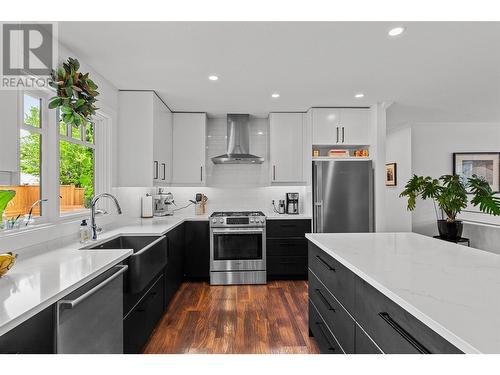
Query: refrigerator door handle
318	208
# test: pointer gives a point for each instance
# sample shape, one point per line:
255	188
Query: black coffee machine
292	203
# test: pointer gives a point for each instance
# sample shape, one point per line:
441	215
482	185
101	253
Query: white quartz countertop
453	289
39	281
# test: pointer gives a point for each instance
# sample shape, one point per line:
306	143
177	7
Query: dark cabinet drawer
337	278
286	246
289	266
34	336
364	345
324	338
197	250
140	322
393	328
334	315
287	228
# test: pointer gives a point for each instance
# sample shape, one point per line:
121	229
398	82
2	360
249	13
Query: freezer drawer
90	320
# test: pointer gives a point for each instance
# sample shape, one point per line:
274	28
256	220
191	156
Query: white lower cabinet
286	147
189	148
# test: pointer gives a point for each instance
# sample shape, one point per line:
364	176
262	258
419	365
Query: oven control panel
256	221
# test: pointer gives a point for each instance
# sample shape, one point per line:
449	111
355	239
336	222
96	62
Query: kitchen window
27	181
43	158
76	167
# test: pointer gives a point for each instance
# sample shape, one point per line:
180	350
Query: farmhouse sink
147	261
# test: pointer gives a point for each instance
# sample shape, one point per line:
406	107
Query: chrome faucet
31	209
93	212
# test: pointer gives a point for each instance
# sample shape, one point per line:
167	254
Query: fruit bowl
7	260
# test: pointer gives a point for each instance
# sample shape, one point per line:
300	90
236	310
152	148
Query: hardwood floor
270	318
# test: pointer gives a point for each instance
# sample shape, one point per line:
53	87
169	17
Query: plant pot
450	230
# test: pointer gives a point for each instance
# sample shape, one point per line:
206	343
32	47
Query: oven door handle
238	230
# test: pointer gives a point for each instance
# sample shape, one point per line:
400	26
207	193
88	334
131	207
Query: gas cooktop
236	213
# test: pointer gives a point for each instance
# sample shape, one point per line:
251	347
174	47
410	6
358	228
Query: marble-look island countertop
453	289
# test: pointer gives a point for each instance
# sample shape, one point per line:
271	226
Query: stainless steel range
237	248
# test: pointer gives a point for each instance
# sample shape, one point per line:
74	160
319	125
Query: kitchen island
403	293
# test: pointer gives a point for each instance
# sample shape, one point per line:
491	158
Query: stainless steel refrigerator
343	196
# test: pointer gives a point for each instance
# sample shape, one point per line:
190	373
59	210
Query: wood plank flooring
259	319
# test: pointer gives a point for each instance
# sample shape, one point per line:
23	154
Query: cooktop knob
221	220
214	221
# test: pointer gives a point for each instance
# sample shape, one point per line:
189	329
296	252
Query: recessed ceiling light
260	133
275	95
213	77
359	95
396	31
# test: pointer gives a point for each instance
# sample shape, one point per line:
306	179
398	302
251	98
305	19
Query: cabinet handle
164	167
274	173
325	264
201	173
404	333
331	348
156	170
324	300
342	134
337	134
146	302
70	304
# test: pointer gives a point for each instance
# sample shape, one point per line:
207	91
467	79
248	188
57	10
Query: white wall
432	148
398	150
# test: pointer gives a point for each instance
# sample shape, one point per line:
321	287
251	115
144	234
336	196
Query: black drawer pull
331	348
288	244
387	318
324	300
146	301
325	264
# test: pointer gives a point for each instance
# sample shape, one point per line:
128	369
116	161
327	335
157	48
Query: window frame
43	131
50	159
69	138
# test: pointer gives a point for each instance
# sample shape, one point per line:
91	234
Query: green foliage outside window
76	161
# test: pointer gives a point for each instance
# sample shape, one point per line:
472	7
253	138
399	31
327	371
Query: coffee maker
162	202
292	203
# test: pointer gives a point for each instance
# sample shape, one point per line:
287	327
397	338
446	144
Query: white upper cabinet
144	140
349	126
189	148
286	146
325	126
10	131
355	126
162	144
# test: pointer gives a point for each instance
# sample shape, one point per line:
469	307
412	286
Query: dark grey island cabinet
348	315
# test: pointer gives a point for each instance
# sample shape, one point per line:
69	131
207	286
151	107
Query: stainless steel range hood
238	140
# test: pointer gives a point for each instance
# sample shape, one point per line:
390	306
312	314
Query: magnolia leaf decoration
76	93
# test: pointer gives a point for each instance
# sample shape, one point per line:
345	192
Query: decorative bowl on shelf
7	260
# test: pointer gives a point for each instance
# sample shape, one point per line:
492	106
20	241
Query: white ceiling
435	70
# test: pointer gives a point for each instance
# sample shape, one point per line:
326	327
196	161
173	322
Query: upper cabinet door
286	146
355	126
189	148
326	126
162	145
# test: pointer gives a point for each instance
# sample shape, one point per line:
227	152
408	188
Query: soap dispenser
84	232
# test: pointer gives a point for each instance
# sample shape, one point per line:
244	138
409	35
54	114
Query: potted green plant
5	197
76	93
451	193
